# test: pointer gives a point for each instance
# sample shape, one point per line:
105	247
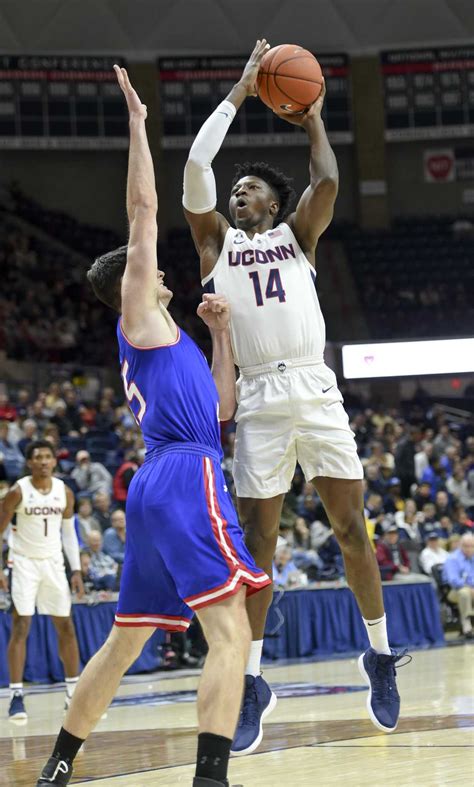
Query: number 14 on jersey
274	288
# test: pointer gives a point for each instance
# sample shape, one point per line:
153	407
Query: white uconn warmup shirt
37	533
270	286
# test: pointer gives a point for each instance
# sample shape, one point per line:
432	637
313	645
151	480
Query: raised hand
135	106
307	116
214	311
249	75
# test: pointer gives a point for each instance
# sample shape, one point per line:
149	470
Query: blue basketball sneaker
383	702
258	702
17	710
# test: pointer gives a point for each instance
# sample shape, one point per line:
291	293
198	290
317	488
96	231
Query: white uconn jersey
270	286
37	533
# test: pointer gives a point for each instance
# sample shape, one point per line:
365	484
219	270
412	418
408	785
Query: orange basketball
290	79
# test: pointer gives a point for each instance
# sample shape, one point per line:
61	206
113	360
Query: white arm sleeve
199	191
71	544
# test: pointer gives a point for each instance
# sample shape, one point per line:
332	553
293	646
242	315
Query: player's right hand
3	582
249	75
214	311
135	106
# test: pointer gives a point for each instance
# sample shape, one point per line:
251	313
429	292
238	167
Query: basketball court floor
319	733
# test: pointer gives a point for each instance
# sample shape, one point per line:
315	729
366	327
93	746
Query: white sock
377	634
71	684
255	657
15	688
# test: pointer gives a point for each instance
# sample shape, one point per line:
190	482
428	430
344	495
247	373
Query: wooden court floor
319	734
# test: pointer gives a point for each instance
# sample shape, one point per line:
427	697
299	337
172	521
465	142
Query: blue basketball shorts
184	546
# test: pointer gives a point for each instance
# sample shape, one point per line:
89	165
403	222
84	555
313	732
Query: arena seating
414	280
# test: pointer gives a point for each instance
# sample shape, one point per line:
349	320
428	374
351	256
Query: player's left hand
214	310
135	106
77	584
305	117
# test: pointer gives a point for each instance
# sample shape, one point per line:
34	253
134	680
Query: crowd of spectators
418	467
49	313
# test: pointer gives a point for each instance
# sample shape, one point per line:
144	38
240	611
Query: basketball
290	79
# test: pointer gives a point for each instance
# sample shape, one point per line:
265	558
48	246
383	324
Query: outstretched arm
143	320
208	227
315	209
215	312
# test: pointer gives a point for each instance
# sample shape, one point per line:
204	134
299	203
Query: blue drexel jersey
171	392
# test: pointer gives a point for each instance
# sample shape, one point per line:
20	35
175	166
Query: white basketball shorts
41	584
289	412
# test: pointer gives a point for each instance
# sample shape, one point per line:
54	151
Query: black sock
212	756
67	746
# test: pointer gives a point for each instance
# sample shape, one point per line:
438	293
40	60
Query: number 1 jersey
270	285
39	516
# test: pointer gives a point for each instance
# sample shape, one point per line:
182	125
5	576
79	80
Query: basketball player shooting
289	406
44	525
185	551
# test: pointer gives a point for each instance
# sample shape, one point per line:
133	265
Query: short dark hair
33	446
105	275
276	179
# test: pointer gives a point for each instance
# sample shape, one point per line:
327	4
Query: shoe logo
325	390
281	366
62	767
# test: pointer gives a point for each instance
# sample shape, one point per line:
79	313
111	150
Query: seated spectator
422	495
308	503
458	573
84	519
443	439
433	554
114	537
375	482
443	507
7	410
12	459
462	522
105	417
62	421
87	580
73	410
422	459
458	488
285	573
445	529
53	395
22	403
393	500
407	522
30	433
101	510
392	558
103	569
90	476
124	475
374	512
434	475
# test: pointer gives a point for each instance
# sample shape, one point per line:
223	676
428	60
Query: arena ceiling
144	28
